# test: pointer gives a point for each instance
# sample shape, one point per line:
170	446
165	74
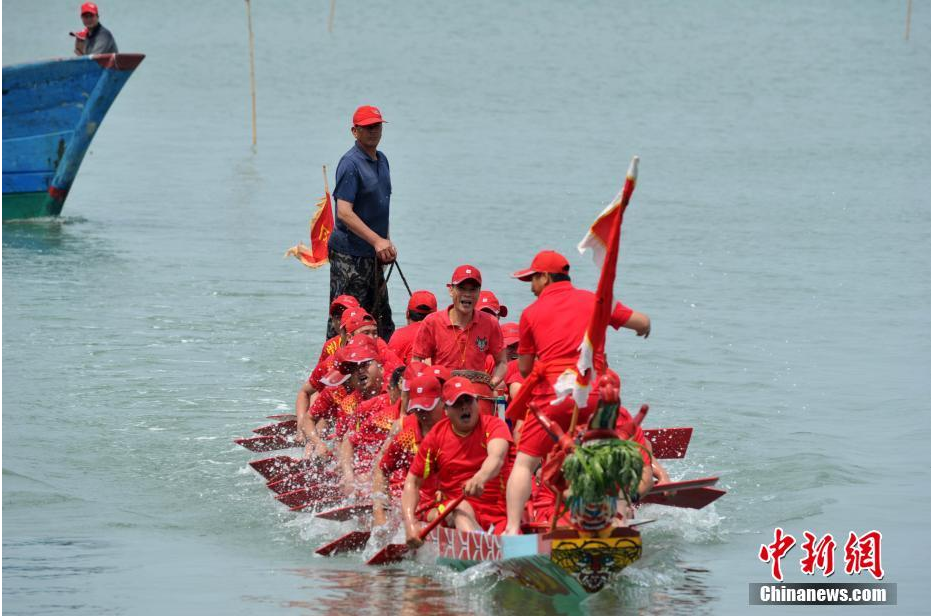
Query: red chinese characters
818	555
774	552
863	554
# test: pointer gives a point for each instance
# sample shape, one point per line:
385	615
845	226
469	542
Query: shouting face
463	414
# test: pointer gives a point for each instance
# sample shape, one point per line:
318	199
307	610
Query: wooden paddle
282	428
266	443
395	552
689	498
274	466
688	484
669	443
344	514
311	495
282	416
302	478
351	541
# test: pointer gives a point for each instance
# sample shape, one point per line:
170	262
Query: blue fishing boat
51	112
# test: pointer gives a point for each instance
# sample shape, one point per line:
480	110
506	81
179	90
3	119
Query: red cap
457	387
489	303
366	115
546	262
413	370
422	301
442	373
425	393
359	350
511	333
466	272
80	34
354	318
346	301
89	7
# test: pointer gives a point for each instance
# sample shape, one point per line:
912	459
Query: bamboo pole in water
252	69
329	24
908	19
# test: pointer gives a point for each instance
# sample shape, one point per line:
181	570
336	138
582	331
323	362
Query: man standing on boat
97	38
551	331
461	337
360	245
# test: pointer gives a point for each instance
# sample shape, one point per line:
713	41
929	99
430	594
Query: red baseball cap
413	370
466	272
359	350
89	7
488	302
366	115
354	318
80	34
346	301
425	393
546	262
511	333
455	388
442	373
423	302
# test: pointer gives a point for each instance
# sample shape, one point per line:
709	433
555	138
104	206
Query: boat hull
51	112
561	564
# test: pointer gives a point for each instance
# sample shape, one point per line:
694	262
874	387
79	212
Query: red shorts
534	439
489	515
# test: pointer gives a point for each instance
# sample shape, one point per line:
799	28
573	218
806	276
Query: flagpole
252	70
326	184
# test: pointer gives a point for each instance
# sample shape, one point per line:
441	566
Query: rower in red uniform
421	304
551	331
337	307
369	426
461	337
353	322
427	409
468	453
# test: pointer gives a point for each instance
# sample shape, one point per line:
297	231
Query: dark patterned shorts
364	279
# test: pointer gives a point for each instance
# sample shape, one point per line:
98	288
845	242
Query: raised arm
497	451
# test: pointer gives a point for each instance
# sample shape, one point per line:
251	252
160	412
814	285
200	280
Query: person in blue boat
94	39
360	244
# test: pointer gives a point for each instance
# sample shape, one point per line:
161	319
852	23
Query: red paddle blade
311	495
391	553
344	514
282	417
674	486
301	478
349	542
270	467
694	498
282	428
669	443
266	443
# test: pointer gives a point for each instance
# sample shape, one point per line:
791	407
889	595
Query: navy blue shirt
366	184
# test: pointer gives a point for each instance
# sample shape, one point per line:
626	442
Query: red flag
321	226
604	238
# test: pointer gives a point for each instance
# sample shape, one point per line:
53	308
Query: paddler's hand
413	537
385	250
474	486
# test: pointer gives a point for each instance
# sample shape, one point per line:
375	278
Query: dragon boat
564	562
